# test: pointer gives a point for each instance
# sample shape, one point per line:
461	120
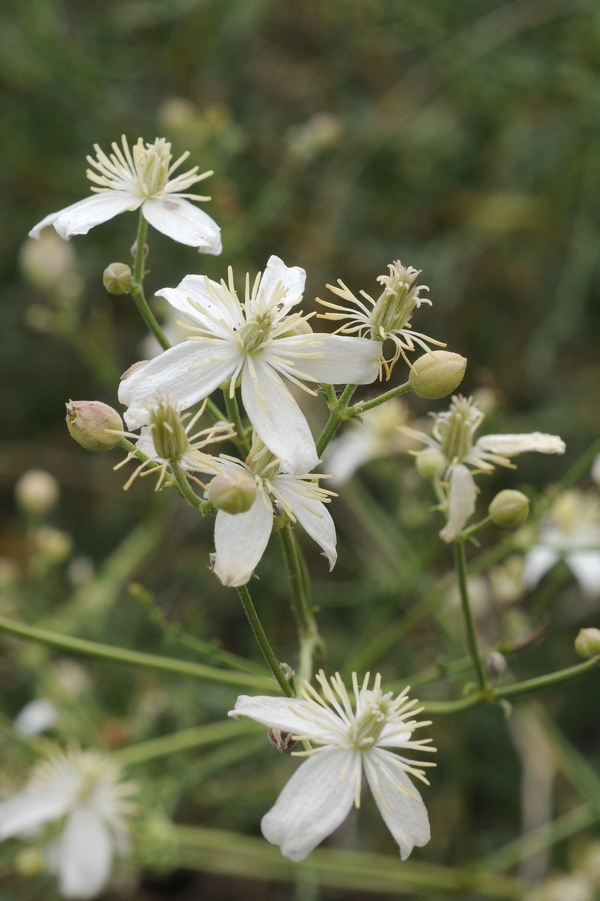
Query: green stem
187	493
308	632
336	417
357	409
461	577
209	734
474	529
135	658
263	641
137	285
233	415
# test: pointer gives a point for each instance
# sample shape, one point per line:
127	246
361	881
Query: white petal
333	359
585	566
240	542
294	279
511	445
462	501
78	218
36	717
27	810
193	288
392	736
277	418
537	563
404	815
289	715
181	220
170	376
314	802
85	855
313	516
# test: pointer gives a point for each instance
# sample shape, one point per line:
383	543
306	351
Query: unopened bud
233	492
587	643
495	666
281	741
116	278
437	374
91	423
431	464
36	493
509	509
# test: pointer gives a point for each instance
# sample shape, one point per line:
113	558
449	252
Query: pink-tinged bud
36	493
116	278
587	643
232	491
431	464
92	423
437	374
281	741
509	509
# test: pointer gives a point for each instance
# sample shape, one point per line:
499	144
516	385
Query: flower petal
240	542
194	288
78	218
312	514
537	563
585	566
404	814
26	810
462	501
35	717
314	802
277	418
183	222
511	445
293	277
333	359
289	715
85	855
173	375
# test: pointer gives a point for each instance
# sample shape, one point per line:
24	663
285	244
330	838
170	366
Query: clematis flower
82	790
571	533
257	341
141	177
241	538
320	794
452	440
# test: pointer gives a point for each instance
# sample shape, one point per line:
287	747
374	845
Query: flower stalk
137	285
263	641
308	632
460	564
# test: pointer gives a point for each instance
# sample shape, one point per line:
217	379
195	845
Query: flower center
457	428
367	727
152	166
256	331
394	307
168	433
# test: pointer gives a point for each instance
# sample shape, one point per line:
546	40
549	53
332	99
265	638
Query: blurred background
459	137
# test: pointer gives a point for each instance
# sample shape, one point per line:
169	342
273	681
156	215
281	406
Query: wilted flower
84	791
129	179
319	796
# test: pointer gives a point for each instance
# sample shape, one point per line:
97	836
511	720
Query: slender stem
308	632
263	641
477	527
186	492
137	285
546	681
461	576
209	734
357	409
336	417
233	415
134	658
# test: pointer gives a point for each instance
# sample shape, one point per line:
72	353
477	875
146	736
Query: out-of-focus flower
310	138
140	177
319	796
571	533
258	341
37	492
575	887
48	262
53	546
453	437
36	717
595	473
83	790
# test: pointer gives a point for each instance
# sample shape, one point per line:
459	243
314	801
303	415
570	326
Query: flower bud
36	493
88	422
52	545
587	643
509	509
234	492
116	278
437	374
431	464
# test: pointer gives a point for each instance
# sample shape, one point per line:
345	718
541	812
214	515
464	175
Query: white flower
83	790
571	533
453	437
320	794
35	717
241	538
129	179
257	341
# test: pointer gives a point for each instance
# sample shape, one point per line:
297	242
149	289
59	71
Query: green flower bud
431	464
116	278
36	493
437	374
587	643
89	422
233	491
509	509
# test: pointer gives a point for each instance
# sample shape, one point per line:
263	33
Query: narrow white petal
392	736
36	717
183	222
585	566
462	501
172	375
277	418
511	445
293	277
287	714
405	815
333	359
240	542
313	516
27	810
537	563
85	855
191	293
314	802
78	218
